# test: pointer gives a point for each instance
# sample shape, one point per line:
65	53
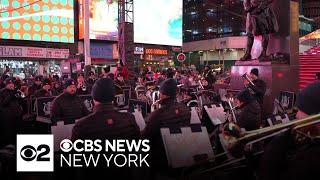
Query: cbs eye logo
66	145
35	153
29	153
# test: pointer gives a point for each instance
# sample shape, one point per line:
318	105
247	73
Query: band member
248	111
106	72
68	106
36	85
57	88
119	83
10	113
46	89
106	123
82	87
305	162
208	78
257	87
170	113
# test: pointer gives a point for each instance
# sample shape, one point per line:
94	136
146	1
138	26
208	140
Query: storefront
158	57
25	61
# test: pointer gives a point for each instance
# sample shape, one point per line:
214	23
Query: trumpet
19	94
232	110
156	105
245	76
84	87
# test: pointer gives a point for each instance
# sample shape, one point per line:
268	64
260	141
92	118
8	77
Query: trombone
250	137
245	76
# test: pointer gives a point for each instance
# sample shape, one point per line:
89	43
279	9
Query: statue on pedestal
261	21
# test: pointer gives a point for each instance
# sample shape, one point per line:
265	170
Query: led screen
103	19
158	22
155	21
37	20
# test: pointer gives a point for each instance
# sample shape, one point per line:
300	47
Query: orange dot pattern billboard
37	20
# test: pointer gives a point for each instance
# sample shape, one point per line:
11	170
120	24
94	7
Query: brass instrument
156	105
20	94
250	137
245	76
232	110
84	87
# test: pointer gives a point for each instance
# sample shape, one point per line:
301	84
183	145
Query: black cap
169	87
103	90
255	71
308	100
69	82
46	81
244	96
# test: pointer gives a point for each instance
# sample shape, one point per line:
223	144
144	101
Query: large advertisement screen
103	19
37	20
155	21
158	22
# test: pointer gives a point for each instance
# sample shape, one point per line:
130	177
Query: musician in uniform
257	87
10	113
106	123
68	106
248	111
304	160
45	91
171	113
208	78
35	86
261	21
82	87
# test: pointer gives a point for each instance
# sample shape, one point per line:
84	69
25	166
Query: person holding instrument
256	86
10	112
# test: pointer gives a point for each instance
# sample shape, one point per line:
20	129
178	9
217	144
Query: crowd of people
107	123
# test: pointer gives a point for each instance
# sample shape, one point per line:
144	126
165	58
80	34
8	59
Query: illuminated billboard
37	20
155	21
158	22
103	19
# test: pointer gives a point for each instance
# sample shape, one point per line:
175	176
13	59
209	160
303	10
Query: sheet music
182	147
216	114
139	119
194	116
61	132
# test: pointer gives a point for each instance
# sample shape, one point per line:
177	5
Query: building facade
208	19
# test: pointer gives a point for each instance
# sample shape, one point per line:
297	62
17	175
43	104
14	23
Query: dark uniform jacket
33	89
10	116
171	114
106	123
67	108
259	89
43	93
283	159
249	116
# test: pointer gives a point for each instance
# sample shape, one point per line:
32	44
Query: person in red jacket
121	68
